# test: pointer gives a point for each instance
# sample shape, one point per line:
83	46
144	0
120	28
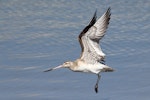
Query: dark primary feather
92	22
89	26
90	36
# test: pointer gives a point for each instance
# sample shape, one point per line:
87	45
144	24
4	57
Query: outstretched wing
89	38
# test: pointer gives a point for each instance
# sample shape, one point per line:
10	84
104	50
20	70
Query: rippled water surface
38	34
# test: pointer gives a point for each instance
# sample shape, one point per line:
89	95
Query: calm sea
39	34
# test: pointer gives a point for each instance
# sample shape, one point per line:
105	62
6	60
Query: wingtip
94	18
92	22
95	12
109	9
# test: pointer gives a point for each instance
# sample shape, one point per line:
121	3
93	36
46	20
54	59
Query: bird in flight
92	57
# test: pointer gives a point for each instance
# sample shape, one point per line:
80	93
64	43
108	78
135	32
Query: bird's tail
108	69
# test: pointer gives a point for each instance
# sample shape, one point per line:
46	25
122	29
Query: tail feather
108	69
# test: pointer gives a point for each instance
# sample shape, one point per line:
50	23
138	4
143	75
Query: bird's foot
96	88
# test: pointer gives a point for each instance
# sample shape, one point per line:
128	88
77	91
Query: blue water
39	34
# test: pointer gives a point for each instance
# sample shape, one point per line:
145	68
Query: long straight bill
60	66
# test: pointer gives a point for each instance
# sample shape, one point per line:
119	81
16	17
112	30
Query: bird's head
67	64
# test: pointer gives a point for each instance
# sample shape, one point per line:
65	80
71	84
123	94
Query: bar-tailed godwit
92	57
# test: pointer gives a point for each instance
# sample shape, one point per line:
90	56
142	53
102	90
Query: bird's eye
66	62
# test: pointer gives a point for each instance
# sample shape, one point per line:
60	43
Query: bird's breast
91	68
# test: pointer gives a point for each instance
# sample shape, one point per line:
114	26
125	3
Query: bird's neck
75	65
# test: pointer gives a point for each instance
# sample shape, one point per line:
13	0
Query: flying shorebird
92	57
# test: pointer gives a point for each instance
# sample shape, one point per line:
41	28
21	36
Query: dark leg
96	85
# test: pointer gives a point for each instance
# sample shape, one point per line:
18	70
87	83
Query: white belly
92	68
